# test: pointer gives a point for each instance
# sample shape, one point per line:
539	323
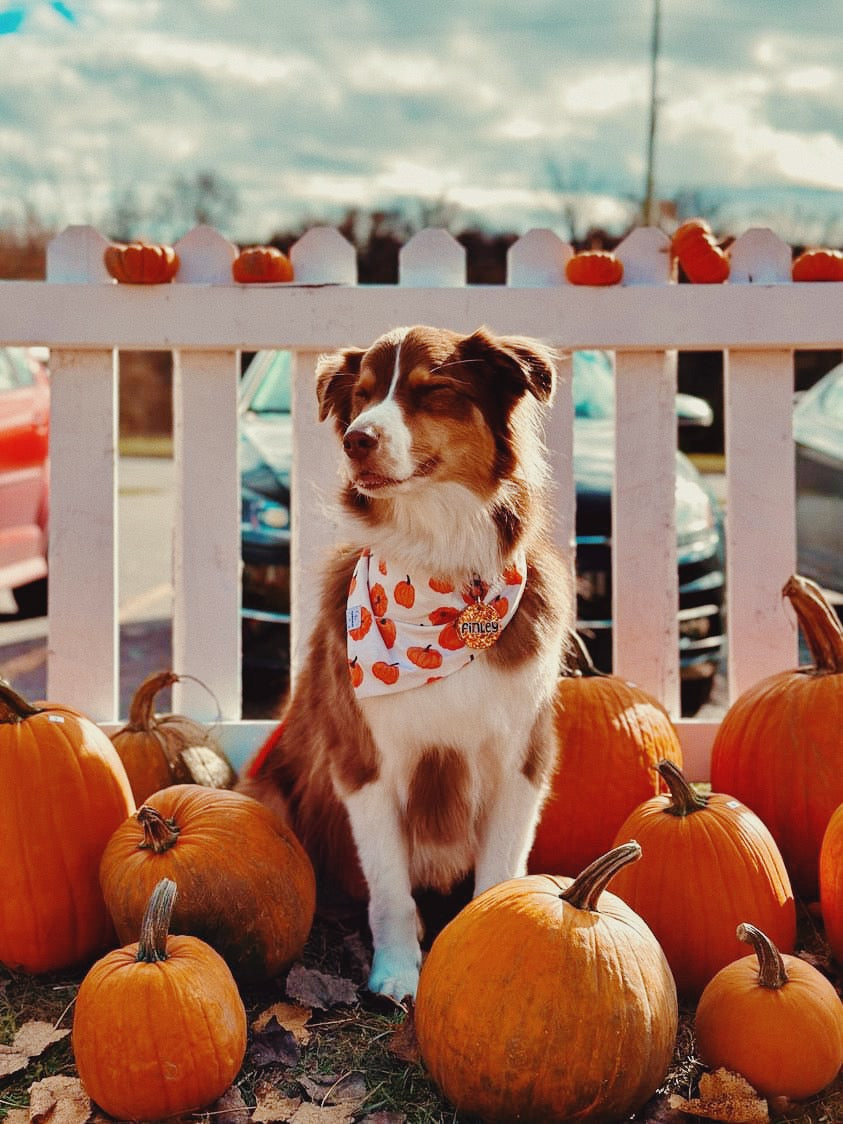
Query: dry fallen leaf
313	988
274	1045
230	1108
403	1043
384	1118
725	1096
289	1015
30	1041
271	1106
314	1114
58	1100
349	1089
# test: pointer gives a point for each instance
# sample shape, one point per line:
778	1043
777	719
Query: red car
24	477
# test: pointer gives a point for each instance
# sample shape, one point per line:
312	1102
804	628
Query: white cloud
307	107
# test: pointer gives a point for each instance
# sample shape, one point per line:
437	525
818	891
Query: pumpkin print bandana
406	630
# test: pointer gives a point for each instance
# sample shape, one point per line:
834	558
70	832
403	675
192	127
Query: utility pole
648	209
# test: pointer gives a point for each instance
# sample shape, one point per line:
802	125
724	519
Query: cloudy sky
514	114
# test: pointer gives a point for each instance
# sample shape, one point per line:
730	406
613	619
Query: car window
21	370
832	401
273	393
593	385
8	381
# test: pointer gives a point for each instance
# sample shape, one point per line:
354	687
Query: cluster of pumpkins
696	254
114	842
549	997
693	248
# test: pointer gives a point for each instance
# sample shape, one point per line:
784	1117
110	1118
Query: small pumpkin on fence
159	1028
63	791
695	248
778	747
818	265
609	736
160	750
772	1018
594	267
261	265
709	862
517	992
246	885
831	883
141	263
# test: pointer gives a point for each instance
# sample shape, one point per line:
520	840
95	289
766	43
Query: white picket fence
758	318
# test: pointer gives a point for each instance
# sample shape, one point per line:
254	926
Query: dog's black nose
358	442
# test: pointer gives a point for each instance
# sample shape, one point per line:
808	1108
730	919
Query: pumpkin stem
155	926
771	970
684	799
579	661
821	627
159	834
141	712
14	707
591	882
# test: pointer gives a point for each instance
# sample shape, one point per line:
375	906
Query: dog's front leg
508	833
382	850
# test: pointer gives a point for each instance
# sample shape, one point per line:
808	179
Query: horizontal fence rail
757	319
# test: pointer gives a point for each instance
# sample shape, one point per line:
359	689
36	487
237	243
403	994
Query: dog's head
428	405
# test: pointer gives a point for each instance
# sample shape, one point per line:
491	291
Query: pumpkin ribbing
63	791
778	747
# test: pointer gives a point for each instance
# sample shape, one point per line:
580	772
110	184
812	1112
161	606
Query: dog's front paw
395	972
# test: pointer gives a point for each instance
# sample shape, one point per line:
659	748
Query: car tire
695	693
31	599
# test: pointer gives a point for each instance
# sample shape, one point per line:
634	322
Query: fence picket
760	505
206	555
537	260
645	595
204	257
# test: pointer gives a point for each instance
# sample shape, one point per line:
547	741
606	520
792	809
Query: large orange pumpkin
246	885
772	1018
159	750
547	999
159	1028
610	735
831	883
63	791
708	864
141	263
779	747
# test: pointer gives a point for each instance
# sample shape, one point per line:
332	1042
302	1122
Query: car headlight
696	522
260	512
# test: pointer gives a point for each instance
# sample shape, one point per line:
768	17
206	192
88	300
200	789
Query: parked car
818	434
24	477
265	433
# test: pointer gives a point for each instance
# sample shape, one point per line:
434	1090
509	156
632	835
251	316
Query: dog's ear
527	364
335	377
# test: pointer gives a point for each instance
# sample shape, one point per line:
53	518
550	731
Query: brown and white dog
437	771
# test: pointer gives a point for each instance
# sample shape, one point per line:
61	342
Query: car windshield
273	390
593	385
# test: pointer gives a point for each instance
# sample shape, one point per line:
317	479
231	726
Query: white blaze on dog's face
426	405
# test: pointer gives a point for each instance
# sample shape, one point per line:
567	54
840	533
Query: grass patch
359	1040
